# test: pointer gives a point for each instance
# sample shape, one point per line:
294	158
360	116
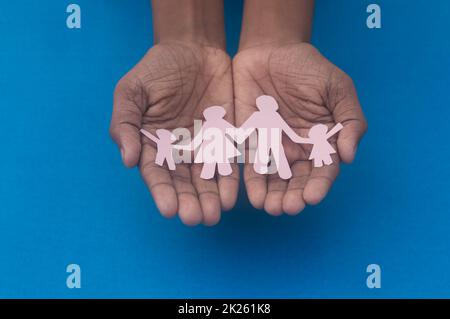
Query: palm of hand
309	90
169	88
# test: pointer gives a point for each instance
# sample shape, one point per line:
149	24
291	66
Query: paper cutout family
215	141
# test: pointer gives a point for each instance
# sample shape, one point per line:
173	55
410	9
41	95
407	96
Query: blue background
66	198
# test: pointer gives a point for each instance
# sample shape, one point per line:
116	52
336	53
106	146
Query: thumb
126	121
348	112
349	139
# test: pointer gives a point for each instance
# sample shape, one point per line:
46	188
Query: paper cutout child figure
164	146
215	147
270	126
322	149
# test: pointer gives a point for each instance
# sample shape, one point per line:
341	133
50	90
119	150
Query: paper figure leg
261	161
208	170
170	163
224	169
260	168
318	162
327	160
159	159
282	165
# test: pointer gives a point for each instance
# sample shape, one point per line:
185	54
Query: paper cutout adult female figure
164	146
322	149
269	125
215	148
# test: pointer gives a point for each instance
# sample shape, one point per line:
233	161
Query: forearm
276	22
198	21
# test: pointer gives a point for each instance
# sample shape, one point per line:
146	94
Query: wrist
268	22
192	38
274	41
198	22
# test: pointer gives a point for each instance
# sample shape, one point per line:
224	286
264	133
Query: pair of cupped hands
175	81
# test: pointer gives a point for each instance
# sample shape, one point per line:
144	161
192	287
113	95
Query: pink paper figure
322	149
164	146
269	125
215	148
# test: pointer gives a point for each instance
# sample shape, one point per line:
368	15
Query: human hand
309	90
169	88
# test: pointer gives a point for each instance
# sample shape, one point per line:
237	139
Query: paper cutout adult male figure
269	125
215	148
163	145
322	149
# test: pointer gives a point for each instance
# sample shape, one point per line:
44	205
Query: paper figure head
318	131
266	103
165	135
214	113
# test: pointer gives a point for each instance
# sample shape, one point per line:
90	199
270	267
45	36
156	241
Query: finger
293	202
208	194
126	121
349	139
256	186
229	185
159	182
320	181
276	188
189	207
348	112
228	188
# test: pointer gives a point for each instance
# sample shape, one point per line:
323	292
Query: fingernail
122	152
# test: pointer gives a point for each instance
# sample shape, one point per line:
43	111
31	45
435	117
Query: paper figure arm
237	134
245	130
241	134
292	135
197	141
150	136
334	130
231	131
192	145
186	147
